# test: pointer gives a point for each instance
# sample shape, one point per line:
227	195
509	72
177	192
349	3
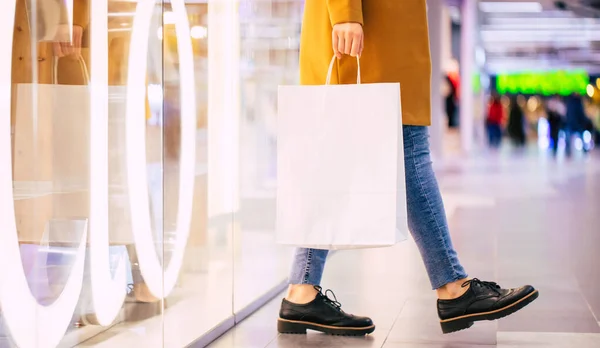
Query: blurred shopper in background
451	103
516	124
556	116
576	122
596	119
494	121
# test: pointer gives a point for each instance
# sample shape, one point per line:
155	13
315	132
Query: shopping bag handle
328	81
82	65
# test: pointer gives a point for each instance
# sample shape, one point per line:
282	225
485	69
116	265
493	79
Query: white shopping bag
341	181
52	141
52	124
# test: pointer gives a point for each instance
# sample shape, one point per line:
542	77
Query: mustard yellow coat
396	48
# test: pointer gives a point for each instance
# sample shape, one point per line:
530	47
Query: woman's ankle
452	290
301	293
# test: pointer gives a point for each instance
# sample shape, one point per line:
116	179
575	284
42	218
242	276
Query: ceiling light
546	20
455	14
513	36
120	14
199	32
480	56
510	7
168	17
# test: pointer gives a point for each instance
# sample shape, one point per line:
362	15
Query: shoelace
490	285
331	301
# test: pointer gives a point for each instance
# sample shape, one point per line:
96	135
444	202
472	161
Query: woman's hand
63	45
348	38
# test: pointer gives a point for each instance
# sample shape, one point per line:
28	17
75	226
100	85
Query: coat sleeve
81	15
344	11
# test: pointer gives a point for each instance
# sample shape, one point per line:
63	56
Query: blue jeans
494	135
426	221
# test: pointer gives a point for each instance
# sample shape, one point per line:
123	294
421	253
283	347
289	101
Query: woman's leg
554	137
461	302
307	307
140	289
308	266
500	135
306	273
493	136
490	134
426	214
426	219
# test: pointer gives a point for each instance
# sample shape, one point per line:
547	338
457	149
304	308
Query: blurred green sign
476	83
563	82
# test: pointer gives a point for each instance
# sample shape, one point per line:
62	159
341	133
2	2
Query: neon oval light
22	313
159	283
108	294
30	324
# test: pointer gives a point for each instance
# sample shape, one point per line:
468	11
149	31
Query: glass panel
48	293
198	234
270	35
123	181
87	174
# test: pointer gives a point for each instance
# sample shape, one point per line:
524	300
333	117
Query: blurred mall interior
163	112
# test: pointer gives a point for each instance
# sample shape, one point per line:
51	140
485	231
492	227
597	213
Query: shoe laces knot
332	301
489	285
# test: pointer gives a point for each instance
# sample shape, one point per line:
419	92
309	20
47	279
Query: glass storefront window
269	57
138	185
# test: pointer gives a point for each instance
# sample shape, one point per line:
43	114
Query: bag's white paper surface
341	182
63	125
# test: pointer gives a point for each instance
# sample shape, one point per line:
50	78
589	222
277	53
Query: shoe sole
299	327
466	321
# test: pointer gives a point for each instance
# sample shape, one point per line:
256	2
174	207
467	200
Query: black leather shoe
322	314
483	301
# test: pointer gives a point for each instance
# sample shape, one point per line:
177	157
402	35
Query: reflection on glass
142	166
270	32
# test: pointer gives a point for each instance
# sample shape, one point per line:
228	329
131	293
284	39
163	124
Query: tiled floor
515	218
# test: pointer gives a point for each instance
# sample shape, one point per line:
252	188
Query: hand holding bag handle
330	71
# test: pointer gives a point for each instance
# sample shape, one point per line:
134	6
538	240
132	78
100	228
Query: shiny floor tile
515	220
433	345
418	323
247	338
319	340
547	340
